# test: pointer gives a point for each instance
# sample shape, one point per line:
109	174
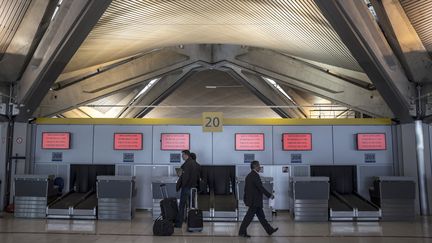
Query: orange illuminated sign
297	141
56	140
249	141
371	141
175	141
128	141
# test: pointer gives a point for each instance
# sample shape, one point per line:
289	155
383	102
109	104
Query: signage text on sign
249	141
212	121
128	141
175	141
297	141
371	141
56	140
296	158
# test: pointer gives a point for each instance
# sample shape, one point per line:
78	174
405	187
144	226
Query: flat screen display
128	141
249	141
297	141
371	141
175	141
56	140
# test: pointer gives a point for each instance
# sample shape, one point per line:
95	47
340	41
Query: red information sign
371	141
175	141
249	141
297	141
128	141
55	140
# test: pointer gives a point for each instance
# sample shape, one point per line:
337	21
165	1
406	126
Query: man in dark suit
189	179
253	198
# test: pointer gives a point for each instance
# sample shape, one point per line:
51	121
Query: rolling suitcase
195	216
163	227
168	205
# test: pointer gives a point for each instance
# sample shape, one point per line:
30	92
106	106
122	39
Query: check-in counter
170	183
395	195
242	208
32	195
116	197
309	198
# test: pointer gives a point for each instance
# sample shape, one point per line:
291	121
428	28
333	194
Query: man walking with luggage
188	179
253	198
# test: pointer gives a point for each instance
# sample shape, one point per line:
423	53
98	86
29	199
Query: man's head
255	165
193	156
186	154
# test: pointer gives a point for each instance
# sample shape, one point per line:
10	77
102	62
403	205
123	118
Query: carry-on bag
163	227
168	205
195	216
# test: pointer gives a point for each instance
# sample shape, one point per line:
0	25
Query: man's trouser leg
184	195
261	217
247	220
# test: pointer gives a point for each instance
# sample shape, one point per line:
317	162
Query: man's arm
259	185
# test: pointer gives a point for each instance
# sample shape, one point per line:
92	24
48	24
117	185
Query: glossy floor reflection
140	230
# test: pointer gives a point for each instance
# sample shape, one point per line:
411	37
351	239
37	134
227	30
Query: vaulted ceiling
298	58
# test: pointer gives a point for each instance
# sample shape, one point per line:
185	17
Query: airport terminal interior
98	99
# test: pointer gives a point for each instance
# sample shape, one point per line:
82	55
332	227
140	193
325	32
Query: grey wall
344	145
223	145
322	149
330	144
81	151
200	143
3	134
104	143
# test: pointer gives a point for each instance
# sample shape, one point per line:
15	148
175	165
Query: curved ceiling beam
147	67
298	75
162	89
360	33
66	32
29	32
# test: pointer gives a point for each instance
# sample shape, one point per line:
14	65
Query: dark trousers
252	211
184	197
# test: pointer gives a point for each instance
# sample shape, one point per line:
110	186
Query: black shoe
273	230
244	235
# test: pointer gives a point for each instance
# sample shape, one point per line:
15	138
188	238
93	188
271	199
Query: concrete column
421	168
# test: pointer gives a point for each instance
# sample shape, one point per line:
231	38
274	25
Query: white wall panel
200	143
81	151
104	152
224	152
344	145
322	145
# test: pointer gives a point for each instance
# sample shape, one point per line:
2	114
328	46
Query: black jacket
190	176
254	190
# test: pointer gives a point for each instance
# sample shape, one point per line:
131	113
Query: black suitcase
163	227
168	205
195	216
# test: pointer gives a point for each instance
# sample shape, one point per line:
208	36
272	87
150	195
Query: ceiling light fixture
223	86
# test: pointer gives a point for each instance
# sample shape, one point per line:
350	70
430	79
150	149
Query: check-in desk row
314	199
229	207
36	197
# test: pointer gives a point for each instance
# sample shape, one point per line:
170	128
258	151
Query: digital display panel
371	141
175	141
249	141
128	141
297	141
56	140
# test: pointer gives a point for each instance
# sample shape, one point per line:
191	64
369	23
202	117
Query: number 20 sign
212	121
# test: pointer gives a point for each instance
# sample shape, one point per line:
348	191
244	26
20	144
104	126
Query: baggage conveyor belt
352	207
74	205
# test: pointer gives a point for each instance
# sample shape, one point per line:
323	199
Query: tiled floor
140	230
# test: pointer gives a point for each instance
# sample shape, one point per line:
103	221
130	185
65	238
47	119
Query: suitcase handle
194	198
164	190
